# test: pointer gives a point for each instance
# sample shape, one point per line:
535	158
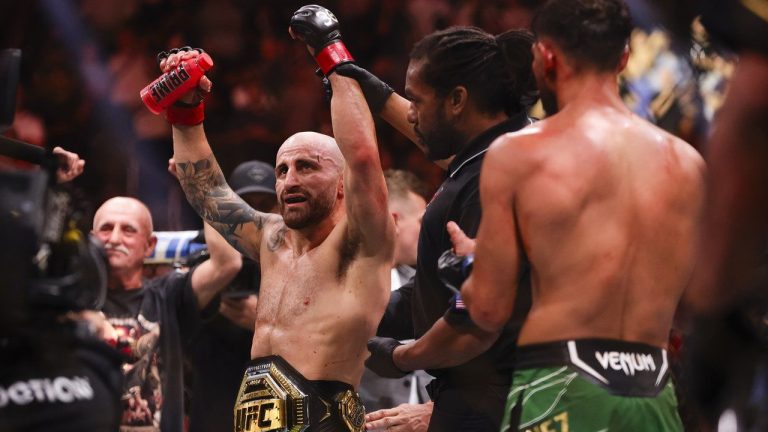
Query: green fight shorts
591	385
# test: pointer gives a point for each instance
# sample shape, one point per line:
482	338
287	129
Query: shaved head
309	171
323	146
126	204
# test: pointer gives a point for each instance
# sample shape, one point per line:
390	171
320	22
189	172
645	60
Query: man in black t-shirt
150	321
465	87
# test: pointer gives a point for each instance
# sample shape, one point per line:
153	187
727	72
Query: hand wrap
181	113
170	87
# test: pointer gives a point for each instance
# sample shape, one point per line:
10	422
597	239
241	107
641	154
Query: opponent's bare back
604	206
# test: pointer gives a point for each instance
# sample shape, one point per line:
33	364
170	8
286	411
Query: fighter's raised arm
365	191
199	173
388	104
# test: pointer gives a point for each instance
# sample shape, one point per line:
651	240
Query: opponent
604	207
325	261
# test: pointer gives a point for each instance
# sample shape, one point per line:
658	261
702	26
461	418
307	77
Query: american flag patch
459	303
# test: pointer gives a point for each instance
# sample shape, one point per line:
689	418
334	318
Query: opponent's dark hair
496	71
592	33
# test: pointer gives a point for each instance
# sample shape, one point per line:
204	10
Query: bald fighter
325	260
604	207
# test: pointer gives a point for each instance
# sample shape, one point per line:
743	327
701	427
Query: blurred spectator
659	86
266	96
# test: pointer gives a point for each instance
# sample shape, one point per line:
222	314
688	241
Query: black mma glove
318	27
454	269
381	360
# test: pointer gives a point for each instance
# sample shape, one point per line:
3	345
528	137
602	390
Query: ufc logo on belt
260	416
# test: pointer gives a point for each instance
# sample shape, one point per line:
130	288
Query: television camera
48	262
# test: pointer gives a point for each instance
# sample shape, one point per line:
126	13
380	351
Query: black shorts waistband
330	389
624	368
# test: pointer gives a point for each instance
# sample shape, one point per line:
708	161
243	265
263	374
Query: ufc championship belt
274	396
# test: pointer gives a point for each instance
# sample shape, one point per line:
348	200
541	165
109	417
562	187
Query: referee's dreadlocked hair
496	71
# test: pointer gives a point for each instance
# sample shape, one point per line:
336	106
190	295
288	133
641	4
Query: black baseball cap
253	176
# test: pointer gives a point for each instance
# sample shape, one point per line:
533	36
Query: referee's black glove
381	360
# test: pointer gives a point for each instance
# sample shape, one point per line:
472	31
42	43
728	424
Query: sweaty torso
317	309
607	215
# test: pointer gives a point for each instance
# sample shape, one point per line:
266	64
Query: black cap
253	176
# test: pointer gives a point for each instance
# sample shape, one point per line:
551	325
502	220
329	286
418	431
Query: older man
151	320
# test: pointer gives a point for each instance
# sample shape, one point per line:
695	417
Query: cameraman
153	320
55	373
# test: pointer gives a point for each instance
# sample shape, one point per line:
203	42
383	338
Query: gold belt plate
268	400
352	411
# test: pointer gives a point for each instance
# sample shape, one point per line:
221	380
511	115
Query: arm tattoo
277	238
208	193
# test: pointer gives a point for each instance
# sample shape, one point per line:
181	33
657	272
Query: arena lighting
86	55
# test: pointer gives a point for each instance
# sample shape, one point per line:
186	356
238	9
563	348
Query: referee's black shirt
425	298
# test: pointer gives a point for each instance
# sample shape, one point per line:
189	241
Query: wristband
187	115
331	56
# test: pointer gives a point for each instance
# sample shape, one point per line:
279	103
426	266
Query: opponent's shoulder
689	159
517	153
693	163
684	167
524	137
689	154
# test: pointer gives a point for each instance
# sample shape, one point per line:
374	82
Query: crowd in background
85	61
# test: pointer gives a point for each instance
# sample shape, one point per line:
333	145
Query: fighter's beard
318	208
